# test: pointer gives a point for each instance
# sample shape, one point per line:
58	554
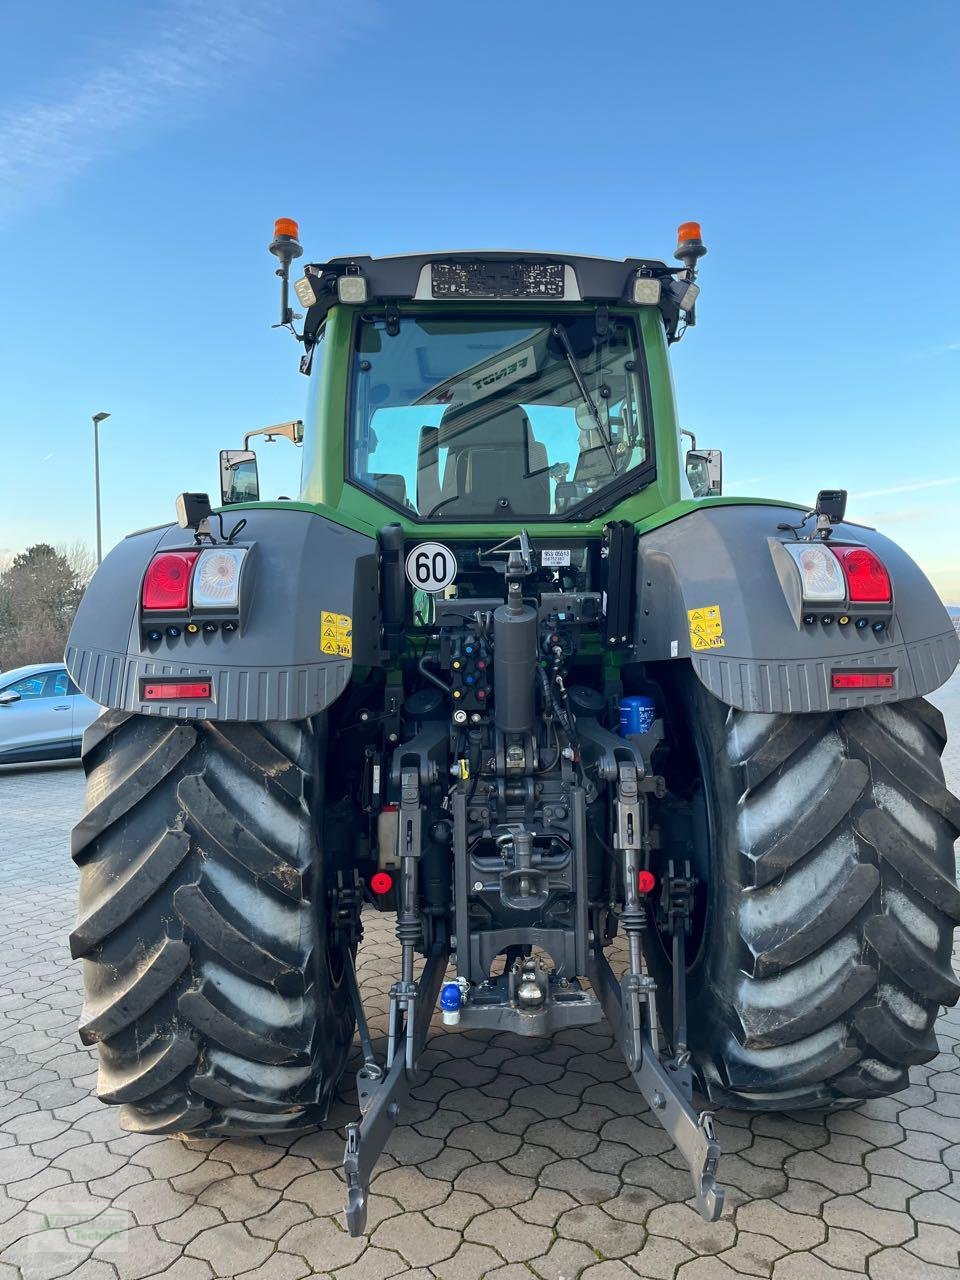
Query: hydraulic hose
434	679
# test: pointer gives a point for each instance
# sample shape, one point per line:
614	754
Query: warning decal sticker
706	627
336	634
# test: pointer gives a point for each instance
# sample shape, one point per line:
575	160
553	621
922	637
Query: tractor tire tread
827	955
209	991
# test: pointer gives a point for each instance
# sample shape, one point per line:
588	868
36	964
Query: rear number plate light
863	680
166	690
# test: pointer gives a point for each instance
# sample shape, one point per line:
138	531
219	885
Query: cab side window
29	687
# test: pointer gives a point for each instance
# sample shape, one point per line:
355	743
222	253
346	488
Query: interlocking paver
416	1239
408	1187
470	1262
239	1198
934	1206
277	1221
529	1161
611	1237
925	1175
888	1193
456	1211
229	1248
182	1229
846	1249
806	1266
513	1238
378	1264
680	1222
814	1167
499	1189
753	1255
279	1266
937	1244
795	1230
516	1157
659	1258
564	1258
896	1264
803	1197
707	1269
155	1201
886	1226
612	1269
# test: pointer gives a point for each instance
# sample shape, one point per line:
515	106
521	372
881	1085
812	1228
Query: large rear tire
211	993
824	954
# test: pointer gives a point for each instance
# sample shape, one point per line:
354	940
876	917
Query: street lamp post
97	419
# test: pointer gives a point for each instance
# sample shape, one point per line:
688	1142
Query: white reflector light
821	577
646	290
216	578
307	289
687	296
352	289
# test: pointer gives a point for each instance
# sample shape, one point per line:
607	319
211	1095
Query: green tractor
514	669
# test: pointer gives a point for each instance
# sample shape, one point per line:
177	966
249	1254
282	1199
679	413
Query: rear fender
759	655
298	568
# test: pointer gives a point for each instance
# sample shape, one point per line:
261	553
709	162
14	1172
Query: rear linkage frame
628	1003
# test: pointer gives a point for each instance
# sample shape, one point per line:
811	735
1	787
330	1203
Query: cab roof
400	276
495	275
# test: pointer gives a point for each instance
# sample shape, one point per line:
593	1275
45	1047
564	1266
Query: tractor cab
484	387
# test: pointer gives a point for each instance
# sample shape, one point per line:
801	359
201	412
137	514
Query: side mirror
239	480
705	472
8	698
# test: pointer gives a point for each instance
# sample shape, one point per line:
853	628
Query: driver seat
505	465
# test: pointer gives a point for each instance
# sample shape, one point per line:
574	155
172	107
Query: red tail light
167	582
160	691
867	579
381	882
862	680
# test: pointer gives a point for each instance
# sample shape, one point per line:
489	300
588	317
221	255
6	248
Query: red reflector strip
863	679
160	692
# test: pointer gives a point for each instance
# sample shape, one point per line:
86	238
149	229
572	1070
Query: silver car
42	714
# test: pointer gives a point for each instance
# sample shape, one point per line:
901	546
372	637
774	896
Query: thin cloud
195	48
898	515
941	349
913	487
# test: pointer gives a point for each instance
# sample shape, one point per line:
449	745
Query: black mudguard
299	566
712	579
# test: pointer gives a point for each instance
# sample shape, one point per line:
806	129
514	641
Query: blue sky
146	149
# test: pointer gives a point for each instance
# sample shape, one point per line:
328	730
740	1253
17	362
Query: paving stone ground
519	1158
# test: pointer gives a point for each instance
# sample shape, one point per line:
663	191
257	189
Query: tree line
40	590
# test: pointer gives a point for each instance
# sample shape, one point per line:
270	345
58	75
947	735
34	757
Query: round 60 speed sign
431	566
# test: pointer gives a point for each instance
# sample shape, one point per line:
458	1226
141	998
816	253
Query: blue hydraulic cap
450	1002
637	714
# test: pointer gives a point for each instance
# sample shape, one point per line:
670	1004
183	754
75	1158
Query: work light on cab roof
488	276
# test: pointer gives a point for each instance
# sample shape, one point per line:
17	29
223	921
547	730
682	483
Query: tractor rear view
609	743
